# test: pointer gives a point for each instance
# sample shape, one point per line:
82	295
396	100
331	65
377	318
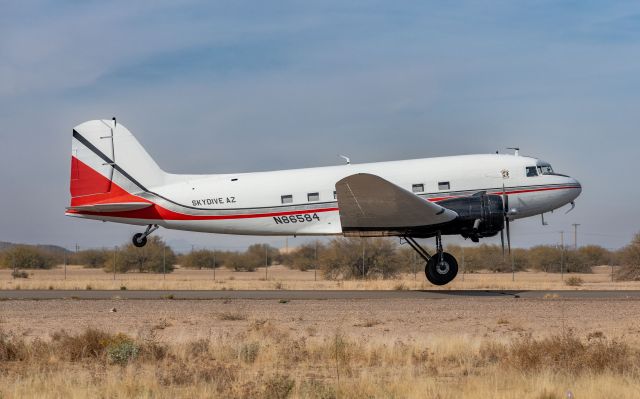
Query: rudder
104	155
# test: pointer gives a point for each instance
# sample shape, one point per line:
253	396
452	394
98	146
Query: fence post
266	262
363	259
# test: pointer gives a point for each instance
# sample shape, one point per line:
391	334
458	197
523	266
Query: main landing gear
442	267
140	239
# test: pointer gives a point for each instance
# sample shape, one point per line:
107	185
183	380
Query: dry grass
282	278
266	362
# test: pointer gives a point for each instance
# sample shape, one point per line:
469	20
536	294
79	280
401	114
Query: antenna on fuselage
346	158
516	150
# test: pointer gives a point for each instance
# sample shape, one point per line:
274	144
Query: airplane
114	179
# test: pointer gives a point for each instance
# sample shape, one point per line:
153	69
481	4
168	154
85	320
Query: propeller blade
502	242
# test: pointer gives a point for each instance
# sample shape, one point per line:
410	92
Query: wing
113	207
369	203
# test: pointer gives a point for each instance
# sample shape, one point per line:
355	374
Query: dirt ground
382	321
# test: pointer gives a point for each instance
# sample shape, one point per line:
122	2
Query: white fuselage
302	201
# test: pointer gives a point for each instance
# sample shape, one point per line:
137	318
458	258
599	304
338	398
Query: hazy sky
251	85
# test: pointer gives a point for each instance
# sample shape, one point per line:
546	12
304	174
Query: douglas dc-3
476	196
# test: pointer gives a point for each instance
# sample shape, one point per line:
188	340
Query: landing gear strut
442	267
140	239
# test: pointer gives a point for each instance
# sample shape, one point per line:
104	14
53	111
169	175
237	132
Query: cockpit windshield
545	169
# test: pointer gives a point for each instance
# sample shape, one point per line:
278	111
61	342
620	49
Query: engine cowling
480	215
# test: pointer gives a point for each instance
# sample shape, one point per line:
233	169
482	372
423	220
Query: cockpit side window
532	171
545	169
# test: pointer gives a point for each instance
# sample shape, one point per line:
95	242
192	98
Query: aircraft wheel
139	240
441	272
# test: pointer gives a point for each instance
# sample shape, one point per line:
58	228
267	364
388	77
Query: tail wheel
441	269
139	240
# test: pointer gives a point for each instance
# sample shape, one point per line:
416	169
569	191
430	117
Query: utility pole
575	235
164	262
315	265
214	264
562	255
65	264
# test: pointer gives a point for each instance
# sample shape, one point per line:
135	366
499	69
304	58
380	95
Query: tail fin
107	161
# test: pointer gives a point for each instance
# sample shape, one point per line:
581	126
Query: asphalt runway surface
306	295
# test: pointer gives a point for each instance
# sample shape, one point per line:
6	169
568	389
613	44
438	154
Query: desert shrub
27	257
12	348
257	255
278	386
574	281
202	258
408	260
568	354
19	274
595	255
231	316
304	257
549	259
629	258
93	258
343	258
488	257
122	351
149	258
89	344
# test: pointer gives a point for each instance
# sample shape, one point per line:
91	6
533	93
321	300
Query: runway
307	295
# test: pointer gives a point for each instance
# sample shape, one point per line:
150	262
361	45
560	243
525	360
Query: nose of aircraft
577	187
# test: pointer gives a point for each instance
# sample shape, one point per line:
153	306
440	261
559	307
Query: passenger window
312	197
335	195
417	188
532	171
444	185
286	199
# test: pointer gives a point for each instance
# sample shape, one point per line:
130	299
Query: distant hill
51	248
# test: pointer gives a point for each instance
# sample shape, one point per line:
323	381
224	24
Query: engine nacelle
480	215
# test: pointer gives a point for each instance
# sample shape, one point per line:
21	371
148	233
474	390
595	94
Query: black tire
139	240
441	274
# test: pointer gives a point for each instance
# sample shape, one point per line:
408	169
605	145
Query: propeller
505	204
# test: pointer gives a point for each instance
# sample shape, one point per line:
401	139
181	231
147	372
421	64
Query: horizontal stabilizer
369	203
113	207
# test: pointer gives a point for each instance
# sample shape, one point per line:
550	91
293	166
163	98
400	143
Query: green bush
122	352
203	258
630	259
94	258
149	258
343	258
27	257
304	257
